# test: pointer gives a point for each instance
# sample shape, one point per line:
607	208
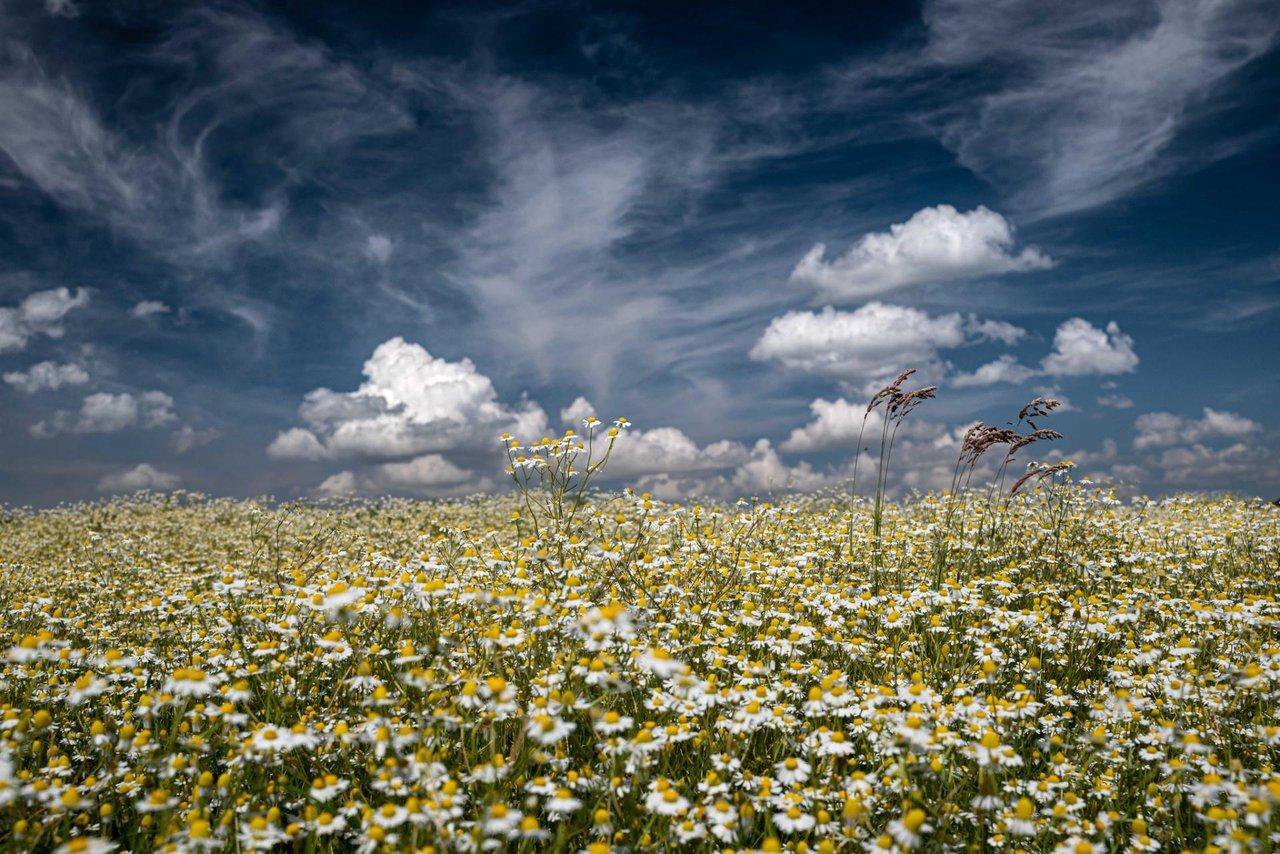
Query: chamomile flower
910	830
792	771
86	845
547	729
664	799
611	723
562	804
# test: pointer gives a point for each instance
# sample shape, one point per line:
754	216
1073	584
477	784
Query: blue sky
325	249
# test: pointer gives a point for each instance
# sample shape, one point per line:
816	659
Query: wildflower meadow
1020	662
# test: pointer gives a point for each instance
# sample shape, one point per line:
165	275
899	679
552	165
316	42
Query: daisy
793	820
664	800
660	663
611	723
562	804
547	729
325	789
327	824
502	821
86	845
792	771
909	831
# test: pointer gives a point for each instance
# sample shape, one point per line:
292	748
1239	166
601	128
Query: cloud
761	472
836	423
61	8
378	248
935	245
187	438
669	450
297	443
232	76
871	343
577	184
1101	465
142	476
1189	457
1081	348
995	330
148	308
1077	108
161	197
665	450
430	471
924	459
1202	467
1005	369
1105	454
764	471
49	376
339	485
573	414
411	403
106	412
1157	429
1115	401
429	475
40	313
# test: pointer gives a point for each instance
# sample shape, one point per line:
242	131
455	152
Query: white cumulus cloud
40	313
46	376
143	476
836	423
411	403
297	443
1201	466
1159	429
937	244
572	415
148	308
107	412
1005	369
668	449
429	474
1081	348
873	342
764	471
1115	401
187	437
339	485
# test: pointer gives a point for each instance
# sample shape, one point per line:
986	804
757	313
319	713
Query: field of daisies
1055	670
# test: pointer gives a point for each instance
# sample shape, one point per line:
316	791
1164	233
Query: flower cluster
193	675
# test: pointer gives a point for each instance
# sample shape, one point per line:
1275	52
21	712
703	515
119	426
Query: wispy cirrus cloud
1078	107
157	192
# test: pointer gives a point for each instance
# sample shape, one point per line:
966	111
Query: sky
318	249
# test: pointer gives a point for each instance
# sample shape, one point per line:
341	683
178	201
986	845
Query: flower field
1067	673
